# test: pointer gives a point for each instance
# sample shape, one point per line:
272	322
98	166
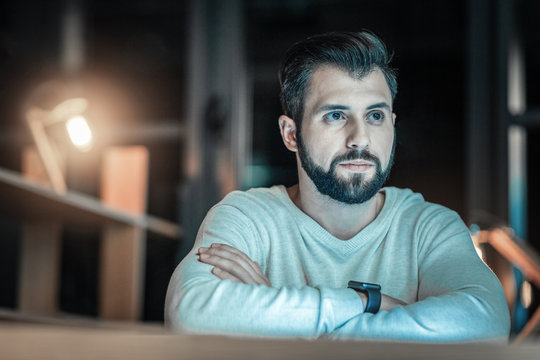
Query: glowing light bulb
526	294
80	133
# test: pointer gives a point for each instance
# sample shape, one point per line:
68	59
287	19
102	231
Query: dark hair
356	53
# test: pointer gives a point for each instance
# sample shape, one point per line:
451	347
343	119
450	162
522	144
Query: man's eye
334	115
376	116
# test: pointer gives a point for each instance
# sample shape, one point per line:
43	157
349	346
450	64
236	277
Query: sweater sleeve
199	302
459	298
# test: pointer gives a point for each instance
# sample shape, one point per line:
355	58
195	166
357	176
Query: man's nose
357	136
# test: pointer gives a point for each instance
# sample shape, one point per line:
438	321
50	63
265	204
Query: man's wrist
372	293
364	298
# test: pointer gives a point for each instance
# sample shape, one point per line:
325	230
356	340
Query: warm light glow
475	231
80	133
526	294
479	251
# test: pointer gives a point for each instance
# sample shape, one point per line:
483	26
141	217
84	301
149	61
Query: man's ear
394	119
287	127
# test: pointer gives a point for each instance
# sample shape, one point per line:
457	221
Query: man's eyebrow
379	105
331	107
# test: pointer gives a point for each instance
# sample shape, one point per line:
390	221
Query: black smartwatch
373	292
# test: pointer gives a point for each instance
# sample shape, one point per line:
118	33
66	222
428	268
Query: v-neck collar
374	230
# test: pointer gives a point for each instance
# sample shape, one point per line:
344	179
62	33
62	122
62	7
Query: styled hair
357	53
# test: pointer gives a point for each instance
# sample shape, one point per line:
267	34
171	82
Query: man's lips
357	165
356	162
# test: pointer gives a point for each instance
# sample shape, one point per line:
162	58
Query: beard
356	189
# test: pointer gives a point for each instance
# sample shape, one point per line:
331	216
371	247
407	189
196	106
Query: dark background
136	64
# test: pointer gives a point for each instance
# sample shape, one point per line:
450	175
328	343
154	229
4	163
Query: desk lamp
68	112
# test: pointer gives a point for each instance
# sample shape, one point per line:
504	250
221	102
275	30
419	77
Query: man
278	261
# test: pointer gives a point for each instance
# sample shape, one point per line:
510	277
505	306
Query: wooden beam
525	258
39	266
121	281
24	341
518	253
124	183
28	199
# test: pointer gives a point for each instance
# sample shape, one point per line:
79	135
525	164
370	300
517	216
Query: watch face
364	285
371	286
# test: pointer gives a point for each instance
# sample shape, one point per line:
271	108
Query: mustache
356	155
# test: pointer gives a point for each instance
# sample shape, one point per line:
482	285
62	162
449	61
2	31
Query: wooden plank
524	257
124	183
50	342
17	193
121	273
518	253
39	266
124	178
125	224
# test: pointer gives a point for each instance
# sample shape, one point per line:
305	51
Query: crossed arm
244	302
221	288
230	263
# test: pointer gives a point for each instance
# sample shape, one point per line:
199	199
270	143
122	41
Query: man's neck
341	220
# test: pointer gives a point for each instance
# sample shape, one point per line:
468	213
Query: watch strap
373	292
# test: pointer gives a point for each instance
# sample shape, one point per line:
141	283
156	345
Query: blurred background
195	82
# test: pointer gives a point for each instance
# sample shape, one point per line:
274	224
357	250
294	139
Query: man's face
346	145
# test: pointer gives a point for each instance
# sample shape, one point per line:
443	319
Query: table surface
29	341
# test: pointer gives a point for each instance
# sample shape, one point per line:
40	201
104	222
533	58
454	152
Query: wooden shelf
28	200
43	212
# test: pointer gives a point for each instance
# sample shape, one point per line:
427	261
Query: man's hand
230	263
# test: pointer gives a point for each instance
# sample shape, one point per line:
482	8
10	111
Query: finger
258	266
252	268
201	250
231	266
263	276
235	252
240	276
244	275
223	275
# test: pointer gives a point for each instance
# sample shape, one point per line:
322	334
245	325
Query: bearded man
338	254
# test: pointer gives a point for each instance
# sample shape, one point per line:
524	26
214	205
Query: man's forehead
331	85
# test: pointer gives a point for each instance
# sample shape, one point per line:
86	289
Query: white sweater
420	253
